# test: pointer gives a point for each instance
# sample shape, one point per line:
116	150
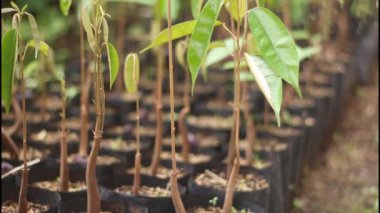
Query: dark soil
11	207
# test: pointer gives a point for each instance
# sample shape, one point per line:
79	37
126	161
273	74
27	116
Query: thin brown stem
93	202
64	167
22	201
85	88
178	204
137	175
236	123
286	14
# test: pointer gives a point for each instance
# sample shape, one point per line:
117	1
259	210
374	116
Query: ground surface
346	179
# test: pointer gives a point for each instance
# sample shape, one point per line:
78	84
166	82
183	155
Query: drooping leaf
131	72
8	60
65	6
196	7
86	21
178	31
15	6
105	30
35	32
269	82
229	65
180	51
277	46
237	11
113	63
7	10
200	39
252	47
216	44
43	47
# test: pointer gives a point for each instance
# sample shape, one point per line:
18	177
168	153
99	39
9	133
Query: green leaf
86	21
196	7
216	44
15	6
176	6
65	6
277	46
43	47
269	82
35	32
113	63
131	72
178	31
8	60
218	54
200	39
233	9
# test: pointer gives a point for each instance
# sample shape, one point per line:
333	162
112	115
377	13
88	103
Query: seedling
131	80
13	53
96	28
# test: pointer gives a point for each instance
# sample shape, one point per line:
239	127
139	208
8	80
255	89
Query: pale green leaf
15	6
65	6
113	63
200	39
86	21
7	10
276	45
237	11
131	72
269	82
35	32
105	30
43	47
8	60
142	2
178	31
30	67
180	51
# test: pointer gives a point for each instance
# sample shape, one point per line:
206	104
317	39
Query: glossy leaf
218	54
178	31
131	72
113	63
35	32
86	21
269	82
237	11
277	46
200	39
43	47
8	60
64	5
196	7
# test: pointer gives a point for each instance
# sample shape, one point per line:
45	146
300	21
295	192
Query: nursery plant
96	27
13	54
278	60
131	79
